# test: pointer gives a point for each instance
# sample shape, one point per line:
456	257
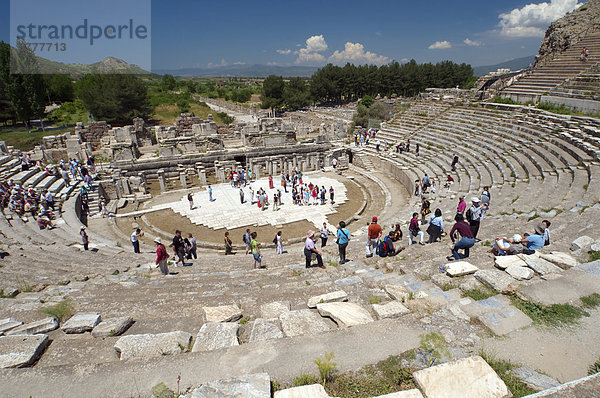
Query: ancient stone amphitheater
220	328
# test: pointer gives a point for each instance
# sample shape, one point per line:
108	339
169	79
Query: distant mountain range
513	64
255	70
115	65
107	65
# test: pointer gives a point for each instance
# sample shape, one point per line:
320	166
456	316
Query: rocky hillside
568	30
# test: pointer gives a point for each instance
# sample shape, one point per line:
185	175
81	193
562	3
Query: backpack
382	249
275	239
469	214
244	239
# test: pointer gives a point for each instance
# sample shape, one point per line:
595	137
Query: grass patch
435	345
515	199
244	320
487	243
591	301
594	368
374	299
550	315
503	368
480	293
167	113
384	377
307	283
504	100
61	311
333	263
533	217
305	380
594	255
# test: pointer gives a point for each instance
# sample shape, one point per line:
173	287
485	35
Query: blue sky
191	33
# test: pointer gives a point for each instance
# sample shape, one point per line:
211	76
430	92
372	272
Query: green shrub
326	367
305	379
591	301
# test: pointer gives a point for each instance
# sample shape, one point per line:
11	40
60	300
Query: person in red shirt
161	257
466	241
375	232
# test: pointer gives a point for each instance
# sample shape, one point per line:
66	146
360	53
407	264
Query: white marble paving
226	211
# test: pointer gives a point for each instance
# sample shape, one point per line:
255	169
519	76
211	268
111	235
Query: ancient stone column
161	180
256	171
183	179
143	181
125	185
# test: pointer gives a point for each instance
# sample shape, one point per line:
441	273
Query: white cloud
220	64
310	54
533	19
284	52
239	63
440	45
355	53
473	43
404	60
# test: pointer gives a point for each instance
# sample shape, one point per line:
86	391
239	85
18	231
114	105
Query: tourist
417	188
84	238
449	181
210	191
536	240
178	248
462	205
310	249
247	240
391	249
374	233
256	250
503	246
331	194
377	145
466	242
324	234
135	240
161	257
251	196
417	150
436	226
279	243
425	183
334	162
228	244
43	223
475	215
271	186
584	54
48	199
193	247
546	224
432	186
323	193
414	230
343	238
454	162
486	196
397	233
425	209
242	196
190	199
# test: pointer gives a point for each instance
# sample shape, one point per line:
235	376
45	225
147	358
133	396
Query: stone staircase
545	78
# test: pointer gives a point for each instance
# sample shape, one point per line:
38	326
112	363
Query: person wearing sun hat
161	257
84	238
475	214
536	240
310	248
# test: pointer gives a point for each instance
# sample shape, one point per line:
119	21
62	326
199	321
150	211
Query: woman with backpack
436	226
343	237
414	230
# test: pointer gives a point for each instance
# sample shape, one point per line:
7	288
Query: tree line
349	83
